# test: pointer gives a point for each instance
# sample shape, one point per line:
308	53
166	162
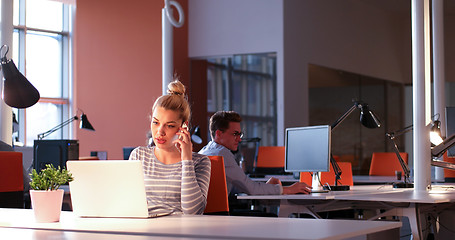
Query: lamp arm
443	164
333	162
336	169
344	116
439	150
400	132
61	125
404	166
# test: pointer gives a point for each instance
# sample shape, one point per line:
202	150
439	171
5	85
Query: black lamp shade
18	92
85	124
368	118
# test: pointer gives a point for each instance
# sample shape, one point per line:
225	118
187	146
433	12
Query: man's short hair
221	119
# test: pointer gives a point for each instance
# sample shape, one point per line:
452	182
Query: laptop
112	188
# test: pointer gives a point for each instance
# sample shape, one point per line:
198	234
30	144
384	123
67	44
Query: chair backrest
127	151
449	174
329	177
217	197
386	163
270	157
11	179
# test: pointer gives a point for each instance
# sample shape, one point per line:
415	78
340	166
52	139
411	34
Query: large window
42	51
246	84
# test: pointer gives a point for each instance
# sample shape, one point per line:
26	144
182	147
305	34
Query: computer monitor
55	152
450	128
307	149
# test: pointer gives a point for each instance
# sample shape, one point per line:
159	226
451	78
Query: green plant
49	178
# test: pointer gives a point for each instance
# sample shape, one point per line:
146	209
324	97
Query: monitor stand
316	184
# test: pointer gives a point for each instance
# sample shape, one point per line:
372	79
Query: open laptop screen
112	188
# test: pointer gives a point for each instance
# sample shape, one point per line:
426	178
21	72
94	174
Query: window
42	52
246	84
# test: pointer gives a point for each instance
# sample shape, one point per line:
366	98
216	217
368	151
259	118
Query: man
226	136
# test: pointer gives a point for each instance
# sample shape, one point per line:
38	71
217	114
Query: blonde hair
175	100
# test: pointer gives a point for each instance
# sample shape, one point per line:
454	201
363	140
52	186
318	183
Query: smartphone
176	144
176	136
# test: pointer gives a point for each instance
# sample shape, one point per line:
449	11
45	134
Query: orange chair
270	159
329	177
449	174
217	197
11	180
386	163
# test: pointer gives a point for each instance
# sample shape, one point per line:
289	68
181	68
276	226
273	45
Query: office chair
270	160
127	151
11	180
329	177
217	197
386	163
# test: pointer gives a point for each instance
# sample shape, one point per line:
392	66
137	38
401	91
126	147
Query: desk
357	179
395	202
283	178
187	226
366	179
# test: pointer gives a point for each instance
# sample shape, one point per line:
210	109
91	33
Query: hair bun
176	88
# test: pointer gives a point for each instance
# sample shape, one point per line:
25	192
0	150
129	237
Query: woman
176	179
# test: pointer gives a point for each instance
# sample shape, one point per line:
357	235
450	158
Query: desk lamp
369	120
196	135
18	92
438	151
85	124
404	166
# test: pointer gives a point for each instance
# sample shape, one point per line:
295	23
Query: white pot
47	205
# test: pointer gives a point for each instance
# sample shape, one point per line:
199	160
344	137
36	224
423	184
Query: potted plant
45	195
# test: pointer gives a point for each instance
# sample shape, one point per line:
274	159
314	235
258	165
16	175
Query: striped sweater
174	188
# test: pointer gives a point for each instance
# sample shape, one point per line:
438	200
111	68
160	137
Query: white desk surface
186	226
354	190
366	179
438	194
397	202
18	233
358	179
379	193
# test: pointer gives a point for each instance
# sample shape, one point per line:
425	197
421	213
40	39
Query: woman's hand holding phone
183	143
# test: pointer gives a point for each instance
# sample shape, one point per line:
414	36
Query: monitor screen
307	149
450	128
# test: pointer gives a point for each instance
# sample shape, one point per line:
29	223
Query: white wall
369	37
354	36
220	27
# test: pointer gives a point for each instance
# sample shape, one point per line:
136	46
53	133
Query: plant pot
47	205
